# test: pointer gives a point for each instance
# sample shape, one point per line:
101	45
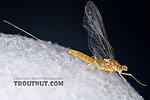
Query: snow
23	58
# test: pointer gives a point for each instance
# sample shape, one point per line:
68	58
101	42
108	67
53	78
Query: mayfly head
123	68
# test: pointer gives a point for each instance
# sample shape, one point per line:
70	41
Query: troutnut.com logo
38	81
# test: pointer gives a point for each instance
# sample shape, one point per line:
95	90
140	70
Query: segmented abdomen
82	56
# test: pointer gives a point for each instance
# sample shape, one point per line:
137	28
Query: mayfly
103	58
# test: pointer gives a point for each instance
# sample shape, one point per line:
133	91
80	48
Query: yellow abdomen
82	56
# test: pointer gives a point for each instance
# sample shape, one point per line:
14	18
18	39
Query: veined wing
97	38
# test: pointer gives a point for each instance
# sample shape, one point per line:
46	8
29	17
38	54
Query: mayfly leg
126	84
22	30
128	74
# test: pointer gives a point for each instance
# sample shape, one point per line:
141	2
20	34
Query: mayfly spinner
103	58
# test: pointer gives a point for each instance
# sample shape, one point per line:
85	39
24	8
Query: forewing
97	38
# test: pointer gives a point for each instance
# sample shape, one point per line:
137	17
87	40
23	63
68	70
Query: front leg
126	83
109	77
128	74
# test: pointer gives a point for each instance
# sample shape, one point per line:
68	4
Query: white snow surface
25	57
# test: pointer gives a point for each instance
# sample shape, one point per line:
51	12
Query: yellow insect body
108	65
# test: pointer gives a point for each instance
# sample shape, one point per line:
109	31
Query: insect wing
97	38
